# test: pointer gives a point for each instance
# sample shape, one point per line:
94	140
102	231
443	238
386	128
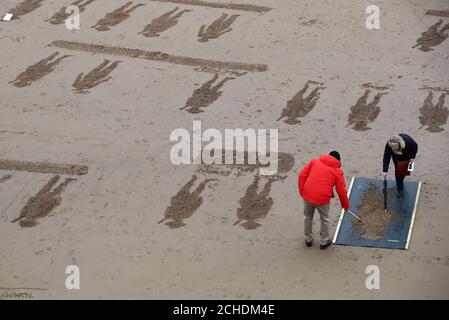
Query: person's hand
384	175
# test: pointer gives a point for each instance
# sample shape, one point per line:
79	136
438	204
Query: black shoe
324	246
400	194
309	244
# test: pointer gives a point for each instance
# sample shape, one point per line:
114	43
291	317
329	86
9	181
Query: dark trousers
400	182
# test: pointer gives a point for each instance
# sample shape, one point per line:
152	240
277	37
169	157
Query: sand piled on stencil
371	211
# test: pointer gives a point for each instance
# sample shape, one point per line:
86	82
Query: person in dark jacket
400	147
316	184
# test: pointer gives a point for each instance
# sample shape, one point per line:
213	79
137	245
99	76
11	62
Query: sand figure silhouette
38	70
162	23
433	116
185	203
5	178
115	17
61	16
98	75
432	37
42	203
254	205
299	106
205	96
25	7
363	113
219	27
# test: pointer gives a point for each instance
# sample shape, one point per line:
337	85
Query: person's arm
302	177
413	148
341	190
387	158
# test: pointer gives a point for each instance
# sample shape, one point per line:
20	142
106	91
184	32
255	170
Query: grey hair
396	140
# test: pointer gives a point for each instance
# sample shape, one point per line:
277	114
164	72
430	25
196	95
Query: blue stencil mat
397	233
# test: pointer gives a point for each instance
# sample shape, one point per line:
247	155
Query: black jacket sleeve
410	145
387	157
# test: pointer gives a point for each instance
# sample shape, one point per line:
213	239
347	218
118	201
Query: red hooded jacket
317	180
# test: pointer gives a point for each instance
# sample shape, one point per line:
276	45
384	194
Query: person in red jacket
316	186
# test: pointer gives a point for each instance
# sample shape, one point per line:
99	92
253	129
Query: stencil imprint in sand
115	17
185	203
254	205
159	56
220	5
374	219
219	27
98	75
432	37
163	23
299	106
38	71
433	116
25	7
363	113
43	167
42	203
286	161
205	96
5	178
438	13
61	16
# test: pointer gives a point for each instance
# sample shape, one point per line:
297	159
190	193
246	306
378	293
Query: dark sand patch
98	75
299	106
5	178
158	56
432	37
438	13
369	85
185	203
207	94
220	5
61	16
255	205
219	27
42	203
286	163
37	71
371	211
363	113
162	23
25	7
116	17
434	116
43	167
